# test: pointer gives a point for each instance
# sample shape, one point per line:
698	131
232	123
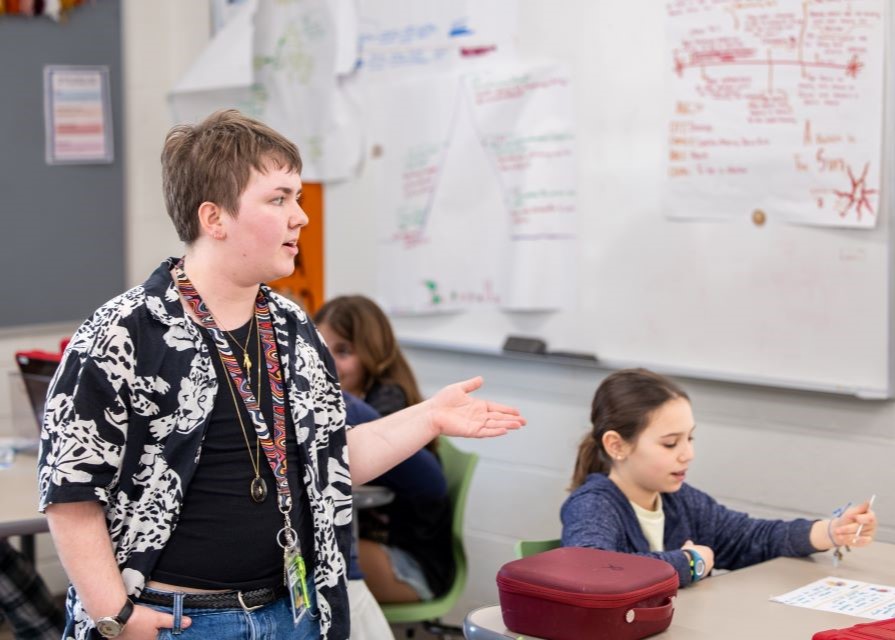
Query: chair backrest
458	470
525	548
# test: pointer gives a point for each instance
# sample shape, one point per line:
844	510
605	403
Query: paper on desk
852	597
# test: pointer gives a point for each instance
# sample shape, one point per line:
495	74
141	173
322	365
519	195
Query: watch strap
695	560
112	626
126	611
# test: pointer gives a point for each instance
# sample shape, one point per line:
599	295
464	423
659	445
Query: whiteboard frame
863	393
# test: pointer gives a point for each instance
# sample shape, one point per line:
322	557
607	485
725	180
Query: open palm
456	413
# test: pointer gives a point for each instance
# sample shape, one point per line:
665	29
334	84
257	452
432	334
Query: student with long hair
370	363
629	492
405	546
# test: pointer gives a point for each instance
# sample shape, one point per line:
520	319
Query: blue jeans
271	622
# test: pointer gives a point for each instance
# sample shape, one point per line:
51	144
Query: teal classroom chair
525	548
458	469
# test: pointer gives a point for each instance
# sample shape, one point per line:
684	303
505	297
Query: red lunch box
573	593
881	630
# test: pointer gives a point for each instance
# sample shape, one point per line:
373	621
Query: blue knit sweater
597	514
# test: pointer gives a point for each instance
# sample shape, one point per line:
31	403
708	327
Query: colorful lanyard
274	448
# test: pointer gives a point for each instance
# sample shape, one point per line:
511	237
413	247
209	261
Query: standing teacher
194	458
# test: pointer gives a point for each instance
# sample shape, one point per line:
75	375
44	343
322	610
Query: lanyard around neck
274	447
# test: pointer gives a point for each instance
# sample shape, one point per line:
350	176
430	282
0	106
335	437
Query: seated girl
405	547
368	359
629	495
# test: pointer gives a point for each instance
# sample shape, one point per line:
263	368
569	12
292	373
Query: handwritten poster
401	37
523	120
476	190
777	107
852	597
78	114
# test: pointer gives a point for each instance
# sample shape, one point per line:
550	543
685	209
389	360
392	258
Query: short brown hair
212	162
624	402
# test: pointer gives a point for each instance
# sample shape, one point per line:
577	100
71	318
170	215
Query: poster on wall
481	173
776	110
78	115
283	63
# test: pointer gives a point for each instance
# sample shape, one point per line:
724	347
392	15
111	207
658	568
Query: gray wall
62	244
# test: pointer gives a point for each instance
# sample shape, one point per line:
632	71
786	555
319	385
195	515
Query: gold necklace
246	360
258	487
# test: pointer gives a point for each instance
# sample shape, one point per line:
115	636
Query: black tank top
223	539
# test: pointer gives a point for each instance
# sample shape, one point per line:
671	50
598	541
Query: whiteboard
780	304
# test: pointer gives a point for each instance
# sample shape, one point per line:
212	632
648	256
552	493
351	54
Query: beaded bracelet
837	549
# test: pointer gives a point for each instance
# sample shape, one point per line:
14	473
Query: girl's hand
844	529
453	412
707	554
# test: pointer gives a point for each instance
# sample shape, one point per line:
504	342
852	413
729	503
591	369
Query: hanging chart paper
476	190
775	107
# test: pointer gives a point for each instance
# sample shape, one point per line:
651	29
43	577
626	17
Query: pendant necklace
246	359
271	438
258	487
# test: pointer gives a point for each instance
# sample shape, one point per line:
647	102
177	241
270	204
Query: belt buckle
245	607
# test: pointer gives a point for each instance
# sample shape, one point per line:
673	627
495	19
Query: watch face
108	627
700	568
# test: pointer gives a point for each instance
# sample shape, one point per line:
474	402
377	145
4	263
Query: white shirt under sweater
653	524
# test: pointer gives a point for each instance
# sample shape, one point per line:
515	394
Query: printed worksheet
852	597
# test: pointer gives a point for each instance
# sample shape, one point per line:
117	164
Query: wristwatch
697	564
112	626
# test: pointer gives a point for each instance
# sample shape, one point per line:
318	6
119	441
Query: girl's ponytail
591	459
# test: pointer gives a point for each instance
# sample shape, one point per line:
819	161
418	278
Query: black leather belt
217	600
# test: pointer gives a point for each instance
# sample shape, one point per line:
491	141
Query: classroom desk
736	605
19	515
367	496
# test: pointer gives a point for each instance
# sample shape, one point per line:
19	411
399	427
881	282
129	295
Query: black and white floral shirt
125	420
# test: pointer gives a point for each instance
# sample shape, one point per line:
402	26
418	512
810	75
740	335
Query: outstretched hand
453	412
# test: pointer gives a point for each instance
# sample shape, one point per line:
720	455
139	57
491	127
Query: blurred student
367	620
25	601
405	547
629	493
368	358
